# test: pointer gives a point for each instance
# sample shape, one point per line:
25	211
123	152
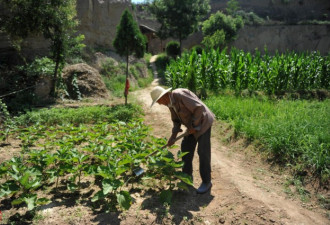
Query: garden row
60	155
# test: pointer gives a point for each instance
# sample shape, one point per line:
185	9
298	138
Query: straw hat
157	93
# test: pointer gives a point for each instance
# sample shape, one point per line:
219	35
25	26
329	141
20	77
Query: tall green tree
180	17
129	40
54	19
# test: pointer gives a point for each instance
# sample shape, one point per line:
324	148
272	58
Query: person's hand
171	141
192	131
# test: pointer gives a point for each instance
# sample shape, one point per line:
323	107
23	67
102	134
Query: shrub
216	40
173	49
250	18
161	62
198	49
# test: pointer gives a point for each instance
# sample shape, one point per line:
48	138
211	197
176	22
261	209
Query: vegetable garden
60	155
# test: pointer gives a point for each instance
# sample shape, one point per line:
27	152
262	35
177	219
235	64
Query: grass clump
82	115
114	76
296	133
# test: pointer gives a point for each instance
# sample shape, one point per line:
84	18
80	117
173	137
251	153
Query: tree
232	7
54	19
219	21
129	40
180	17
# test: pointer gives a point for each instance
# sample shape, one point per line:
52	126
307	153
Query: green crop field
295	133
215	70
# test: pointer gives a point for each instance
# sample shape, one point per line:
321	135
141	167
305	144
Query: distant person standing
187	109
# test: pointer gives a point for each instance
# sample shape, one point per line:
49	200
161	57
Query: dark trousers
204	151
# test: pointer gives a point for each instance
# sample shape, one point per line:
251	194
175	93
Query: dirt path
245	191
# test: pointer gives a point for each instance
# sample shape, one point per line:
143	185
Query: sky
138	1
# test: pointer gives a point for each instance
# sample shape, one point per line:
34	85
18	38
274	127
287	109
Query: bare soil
246	190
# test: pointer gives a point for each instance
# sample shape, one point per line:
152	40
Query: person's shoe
205	187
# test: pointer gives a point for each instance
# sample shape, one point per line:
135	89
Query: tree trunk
126	79
180	40
53	89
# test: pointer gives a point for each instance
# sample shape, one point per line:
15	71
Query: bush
40	66
173	49
250	18
161	62
198	49
216	40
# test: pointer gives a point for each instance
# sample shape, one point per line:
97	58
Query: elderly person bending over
187	109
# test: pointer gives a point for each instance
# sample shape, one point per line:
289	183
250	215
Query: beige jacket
187	109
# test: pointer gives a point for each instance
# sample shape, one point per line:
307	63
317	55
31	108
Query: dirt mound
84	81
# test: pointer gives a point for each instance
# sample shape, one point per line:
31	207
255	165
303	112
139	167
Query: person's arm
176	127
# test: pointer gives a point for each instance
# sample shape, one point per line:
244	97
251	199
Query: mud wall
283	10
99	19
280	38
98	22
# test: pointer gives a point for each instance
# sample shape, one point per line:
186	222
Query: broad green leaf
110	185
184	177
8	188
182	185
166	196
43	201
17	201
120	170
31	201
124	199
181	154
99	195
125	161
72	186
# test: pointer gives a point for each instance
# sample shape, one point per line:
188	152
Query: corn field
216	70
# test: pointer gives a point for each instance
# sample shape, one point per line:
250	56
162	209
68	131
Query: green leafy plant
173	49
59	155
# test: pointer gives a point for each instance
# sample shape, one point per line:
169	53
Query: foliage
161	63
129	39
173	49
39	67
232	7
6	122
179	17
250	18
216	70
294	132
219	21
215	40
113	75
58	156
198	49
91	114
55	19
